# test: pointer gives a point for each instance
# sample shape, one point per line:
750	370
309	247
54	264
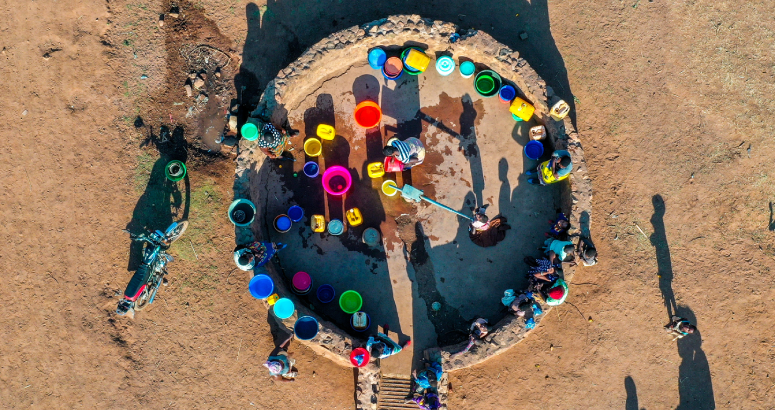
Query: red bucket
392	164
368	114
359	351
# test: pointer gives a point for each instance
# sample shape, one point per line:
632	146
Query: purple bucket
311	169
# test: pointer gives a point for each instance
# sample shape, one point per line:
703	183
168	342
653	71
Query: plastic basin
326	293
249	131
377	58
350	301
261	286
337	180
242	212
359	351
295	213
368	114
366	325
487	83
389	188
306	328
313	147
534	150
284	308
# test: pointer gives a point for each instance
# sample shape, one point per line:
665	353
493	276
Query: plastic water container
350	301
317	223
295	213
261	286
538	133
375	170
416	60
360	321
522	109
313	147
326	132
284	308
354	216
392	164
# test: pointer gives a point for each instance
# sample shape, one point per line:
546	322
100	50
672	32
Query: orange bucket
368	114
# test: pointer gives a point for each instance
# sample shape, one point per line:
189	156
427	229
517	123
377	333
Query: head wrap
274	366
556	293
270	137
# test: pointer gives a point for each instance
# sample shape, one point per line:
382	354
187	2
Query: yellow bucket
354	217
313	147
375	170
389	188
417	60
326	132
317	223
522	109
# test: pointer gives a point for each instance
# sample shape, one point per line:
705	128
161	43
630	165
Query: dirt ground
672	101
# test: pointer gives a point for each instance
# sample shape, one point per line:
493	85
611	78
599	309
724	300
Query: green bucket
350	301
249	131
487	83
175	170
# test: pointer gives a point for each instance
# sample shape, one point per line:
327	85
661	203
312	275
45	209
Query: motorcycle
142	288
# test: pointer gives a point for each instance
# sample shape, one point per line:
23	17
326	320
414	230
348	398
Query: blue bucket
282	223
311	169
295	213
507	93
284	308
261	286
377	58
534	150
306	328
326	293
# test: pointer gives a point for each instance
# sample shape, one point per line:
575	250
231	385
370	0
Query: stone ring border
348	47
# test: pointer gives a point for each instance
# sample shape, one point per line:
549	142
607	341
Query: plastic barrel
242	212
295	213
335	227
506	94
445	65
534	150
364	355
306	328
367	114
337	180
467	69
282	223
284	308
377	58
302	283
350	301
326	293
249	131
311	169
175	170
313	147
261	286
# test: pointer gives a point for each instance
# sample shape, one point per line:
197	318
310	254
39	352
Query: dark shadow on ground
632	394
664	263
280	32
162	201
695	385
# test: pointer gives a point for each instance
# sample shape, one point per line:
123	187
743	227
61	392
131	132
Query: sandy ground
672	102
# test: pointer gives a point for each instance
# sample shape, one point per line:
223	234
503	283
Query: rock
218	73
192	75
189	91
25	113
203	75
523	35
199	83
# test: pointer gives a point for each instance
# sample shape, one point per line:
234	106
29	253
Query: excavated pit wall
344	49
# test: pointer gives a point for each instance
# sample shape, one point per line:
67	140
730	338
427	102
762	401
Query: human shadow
664	263
695	385
279	32
162	201
771	225
632	394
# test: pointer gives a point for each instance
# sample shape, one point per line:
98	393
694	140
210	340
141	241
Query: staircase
392	394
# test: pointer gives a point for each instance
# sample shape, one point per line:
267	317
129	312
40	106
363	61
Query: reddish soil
671	99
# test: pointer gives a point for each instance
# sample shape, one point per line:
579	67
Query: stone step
393	393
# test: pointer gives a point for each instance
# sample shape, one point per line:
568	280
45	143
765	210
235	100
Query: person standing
554	170
679	327
280	365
